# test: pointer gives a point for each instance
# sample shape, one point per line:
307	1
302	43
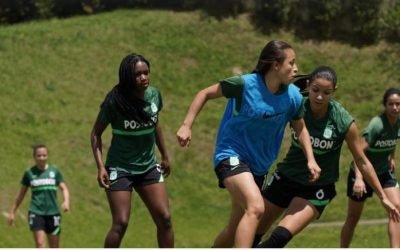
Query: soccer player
379	143
132	108
44	214
250	135
289	190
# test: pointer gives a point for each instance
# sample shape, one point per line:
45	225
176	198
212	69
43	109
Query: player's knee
256	209
164	221
40	243
120	226
397	204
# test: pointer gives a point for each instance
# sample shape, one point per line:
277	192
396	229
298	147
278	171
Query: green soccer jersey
133	142
327	136
43	184
382	139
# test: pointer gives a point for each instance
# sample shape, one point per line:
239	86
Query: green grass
54	74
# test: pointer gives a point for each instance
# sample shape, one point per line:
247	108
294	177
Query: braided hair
122	94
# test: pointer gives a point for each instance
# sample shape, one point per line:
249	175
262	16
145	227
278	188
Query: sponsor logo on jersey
132	124
42	182
386	143
321	143
318	143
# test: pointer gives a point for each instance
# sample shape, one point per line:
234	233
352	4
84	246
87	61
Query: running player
379	143
250	135
44	214
289	190
132	108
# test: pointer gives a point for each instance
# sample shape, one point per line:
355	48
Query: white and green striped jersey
382	139
43	184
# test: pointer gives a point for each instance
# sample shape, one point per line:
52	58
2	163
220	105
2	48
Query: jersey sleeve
59	177
371	132
25	179
160	101
106	113
232	87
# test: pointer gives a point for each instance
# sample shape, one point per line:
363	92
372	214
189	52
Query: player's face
392	106
141	76
288	69
320	93
41	156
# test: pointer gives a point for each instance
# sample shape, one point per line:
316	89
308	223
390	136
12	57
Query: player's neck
42	167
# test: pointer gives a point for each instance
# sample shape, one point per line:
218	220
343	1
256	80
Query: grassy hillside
54	75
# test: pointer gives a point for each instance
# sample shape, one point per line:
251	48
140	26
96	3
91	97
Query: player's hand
359	188
102	178
184	136
315	171
391	209
392	165
165	167
65	206
11	219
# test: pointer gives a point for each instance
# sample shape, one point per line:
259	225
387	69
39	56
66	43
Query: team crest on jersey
153	107
52	174
328	133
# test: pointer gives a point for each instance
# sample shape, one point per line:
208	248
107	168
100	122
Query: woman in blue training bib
250	135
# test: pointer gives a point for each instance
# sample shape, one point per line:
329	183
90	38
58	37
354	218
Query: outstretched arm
165	164
368	171
305	142
184	133
17	202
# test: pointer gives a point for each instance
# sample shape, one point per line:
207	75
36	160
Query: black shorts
387	180
124	181
281	190
51	224
229	167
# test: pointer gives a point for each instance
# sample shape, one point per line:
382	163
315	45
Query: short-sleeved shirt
382	139
43	184
254	121
133	142
327	136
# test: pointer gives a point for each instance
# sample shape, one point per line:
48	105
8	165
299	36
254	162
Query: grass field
54	74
